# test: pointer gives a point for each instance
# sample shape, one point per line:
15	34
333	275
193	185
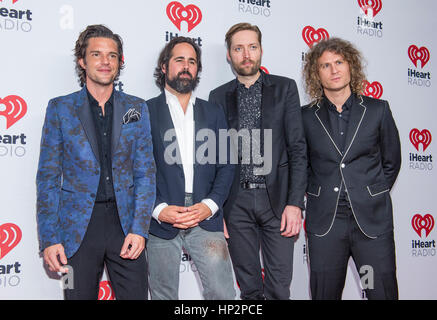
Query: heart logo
177	13
420	137
105	291
10	236
370	7
373	89
13	1
264	69
417	54
14	109
312	36
419	223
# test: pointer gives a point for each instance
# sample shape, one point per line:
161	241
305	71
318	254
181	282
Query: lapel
200	122
86	118
267	103
322	115
356	117
231	106
165	124
117	117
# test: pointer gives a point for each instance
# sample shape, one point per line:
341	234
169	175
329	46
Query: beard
246	71
183	85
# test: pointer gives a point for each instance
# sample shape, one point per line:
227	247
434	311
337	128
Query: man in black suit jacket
354	158
266	199
191	183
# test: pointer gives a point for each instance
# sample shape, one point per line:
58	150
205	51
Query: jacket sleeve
296	148
144	177
48	178
390	146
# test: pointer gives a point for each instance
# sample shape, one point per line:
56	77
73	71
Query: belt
248	185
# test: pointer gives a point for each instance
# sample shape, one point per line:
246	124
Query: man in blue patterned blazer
96	177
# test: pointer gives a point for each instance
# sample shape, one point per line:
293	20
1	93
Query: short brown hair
95	31
339	46
241	27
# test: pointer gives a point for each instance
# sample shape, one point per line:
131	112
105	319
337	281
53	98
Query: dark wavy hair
166	54
95	31
339	46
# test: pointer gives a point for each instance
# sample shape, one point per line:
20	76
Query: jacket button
92	195
336	189
343	165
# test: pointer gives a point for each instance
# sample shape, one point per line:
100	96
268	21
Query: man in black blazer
191	183
266	199
354	158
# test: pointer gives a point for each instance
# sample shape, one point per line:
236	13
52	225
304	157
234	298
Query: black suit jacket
211	180
281	112
367	169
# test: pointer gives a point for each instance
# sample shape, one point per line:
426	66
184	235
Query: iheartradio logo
312	36
13	1
373	89
105	291
420	223
10	236
370	7
177	13
418	54
13	108
420	137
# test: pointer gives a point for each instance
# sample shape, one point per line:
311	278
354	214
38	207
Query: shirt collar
94	102
346	106
258	81
171	99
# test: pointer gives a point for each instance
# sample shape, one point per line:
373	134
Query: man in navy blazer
191	183
96	177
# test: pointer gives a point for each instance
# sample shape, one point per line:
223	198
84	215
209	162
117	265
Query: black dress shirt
103	129
339	122
249	117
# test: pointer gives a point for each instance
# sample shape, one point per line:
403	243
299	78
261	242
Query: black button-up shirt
103	129
249	117
339	122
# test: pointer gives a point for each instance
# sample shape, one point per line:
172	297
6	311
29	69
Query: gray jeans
210	254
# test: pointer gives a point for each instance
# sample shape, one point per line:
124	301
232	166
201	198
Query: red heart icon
15	109
415	54
10	236
374	5
264	69
177	13
420	137
426	222
105	291
312	36
373	89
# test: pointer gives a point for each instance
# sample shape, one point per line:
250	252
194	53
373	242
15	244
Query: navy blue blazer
211	179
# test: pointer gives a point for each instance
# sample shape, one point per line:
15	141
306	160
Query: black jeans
252	226
102	245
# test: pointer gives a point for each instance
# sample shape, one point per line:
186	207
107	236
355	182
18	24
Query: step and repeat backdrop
36	63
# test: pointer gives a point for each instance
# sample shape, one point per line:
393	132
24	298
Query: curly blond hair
339	46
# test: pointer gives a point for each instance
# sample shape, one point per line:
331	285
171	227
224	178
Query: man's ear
163	68
82	63
228	57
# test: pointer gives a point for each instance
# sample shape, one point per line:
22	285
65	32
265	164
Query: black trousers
102	245
374	258
252	226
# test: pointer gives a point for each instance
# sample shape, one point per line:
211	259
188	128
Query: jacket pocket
313	190
377	189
